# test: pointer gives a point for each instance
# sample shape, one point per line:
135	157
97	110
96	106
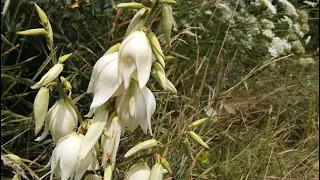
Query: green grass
266	121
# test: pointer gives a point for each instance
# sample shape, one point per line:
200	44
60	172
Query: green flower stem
154	7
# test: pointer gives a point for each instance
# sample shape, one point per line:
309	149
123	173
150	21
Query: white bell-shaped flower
135	107
64	161
139	171
104	81
135	54
110	141
156	172
61	119
94	165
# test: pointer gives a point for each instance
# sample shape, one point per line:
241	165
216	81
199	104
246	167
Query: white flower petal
97	68
151	105
140	117
82	166
94	132
144	61
69	155
107	84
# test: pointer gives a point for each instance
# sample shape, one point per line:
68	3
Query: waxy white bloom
135	107
94	165
64	160
61	120
104	81
135	59
139	171
110	143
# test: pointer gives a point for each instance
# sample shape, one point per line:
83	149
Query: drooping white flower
64	160
104	81
135	59
110	142
139	171
61	120
135	107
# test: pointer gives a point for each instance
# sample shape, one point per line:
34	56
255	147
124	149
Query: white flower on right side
135	107
135	59
139	171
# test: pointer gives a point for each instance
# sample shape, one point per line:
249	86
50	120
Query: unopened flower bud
16	177
165	164
167	23
187	148
144	145
156	48
161	74
66	84
34	32
63	58
40	108
171	87
50	76
197	122
156	172
131	5
113	49
168	58
197	138
42	15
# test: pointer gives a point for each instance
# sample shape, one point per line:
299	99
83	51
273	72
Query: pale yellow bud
144	145
108	172
131	5
156	48
40	108
50	76
197	138
187	148
197	122
34	32
66	84
167	23
16	177
166	165
161	74
63	58
171	87
42	15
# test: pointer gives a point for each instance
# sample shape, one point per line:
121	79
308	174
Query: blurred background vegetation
263	111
